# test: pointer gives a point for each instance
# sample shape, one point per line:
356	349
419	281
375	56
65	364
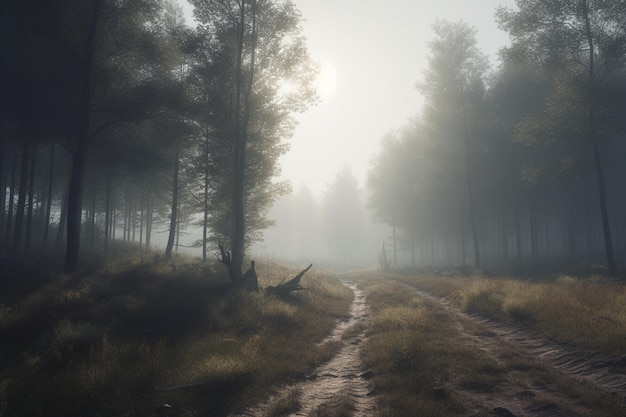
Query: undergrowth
139	336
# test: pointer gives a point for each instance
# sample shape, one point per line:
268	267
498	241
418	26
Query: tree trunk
4	162
9	220
606	228
18	234
92	217
46	225
78	162
149	211
141	210
238	227
31	199
205	209
62	220
107	213
174	215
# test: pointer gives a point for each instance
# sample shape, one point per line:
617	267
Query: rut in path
341	377
606	372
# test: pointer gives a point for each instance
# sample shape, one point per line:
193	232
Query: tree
257	50
453	88
582	43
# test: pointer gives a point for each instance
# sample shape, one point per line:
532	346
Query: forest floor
483	366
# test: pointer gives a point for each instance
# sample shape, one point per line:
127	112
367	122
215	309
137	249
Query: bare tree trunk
176	245
46	226
4	162
205	220
78	162
18	234
62	220
174	215
92	217
31	199
9	221
149	213
141	209
107	213
606	228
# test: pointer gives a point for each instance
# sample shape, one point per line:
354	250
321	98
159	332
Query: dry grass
138	332
429	362
286	405
590	311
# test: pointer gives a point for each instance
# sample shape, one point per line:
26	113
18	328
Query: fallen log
289	286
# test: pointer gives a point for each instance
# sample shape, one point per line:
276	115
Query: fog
449	134
335	231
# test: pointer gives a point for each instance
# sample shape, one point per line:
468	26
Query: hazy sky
372	53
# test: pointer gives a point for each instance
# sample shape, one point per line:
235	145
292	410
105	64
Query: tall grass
428	361
402	349
590	311
138	333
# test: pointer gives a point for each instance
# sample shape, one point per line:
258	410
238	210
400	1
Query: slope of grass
139	337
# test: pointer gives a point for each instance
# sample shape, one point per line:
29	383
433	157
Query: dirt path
337	383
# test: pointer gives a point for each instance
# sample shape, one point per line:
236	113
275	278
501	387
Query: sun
326	80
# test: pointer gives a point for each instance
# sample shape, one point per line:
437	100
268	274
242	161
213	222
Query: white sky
375	50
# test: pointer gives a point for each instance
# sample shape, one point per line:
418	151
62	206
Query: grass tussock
403	350
138	333
286	405
590	311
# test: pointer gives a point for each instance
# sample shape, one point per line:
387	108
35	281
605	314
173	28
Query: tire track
606	372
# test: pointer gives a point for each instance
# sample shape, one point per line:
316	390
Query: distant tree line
115	117
333	230
522	165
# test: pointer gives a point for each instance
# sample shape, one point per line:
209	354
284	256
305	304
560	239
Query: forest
523	165
118	119
490	282
120	122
